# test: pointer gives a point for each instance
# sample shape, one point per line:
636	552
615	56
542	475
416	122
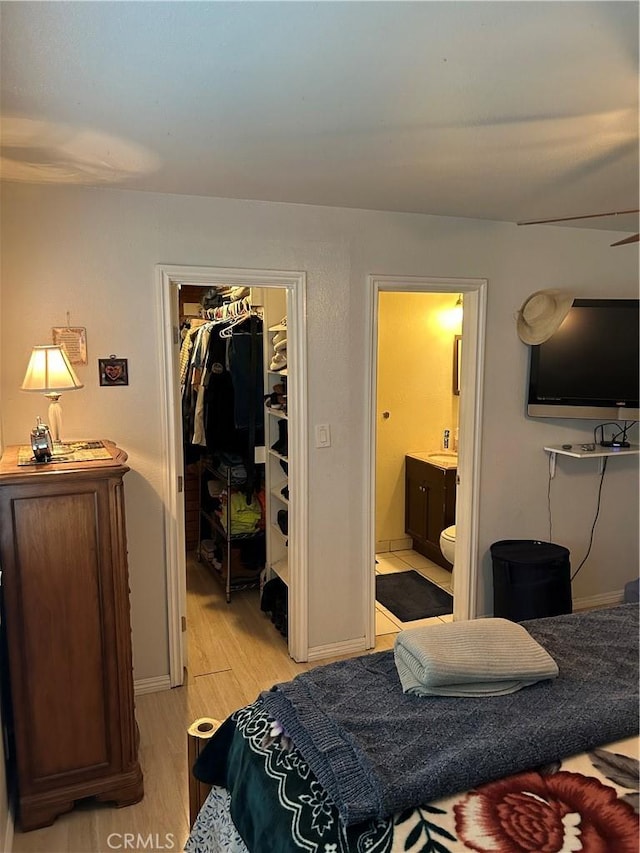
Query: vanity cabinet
430	505
67	634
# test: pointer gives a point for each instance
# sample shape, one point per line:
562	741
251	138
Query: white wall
93	253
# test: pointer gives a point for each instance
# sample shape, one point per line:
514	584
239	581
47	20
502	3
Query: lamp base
55	417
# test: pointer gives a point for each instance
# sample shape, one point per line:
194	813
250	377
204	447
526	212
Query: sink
444	458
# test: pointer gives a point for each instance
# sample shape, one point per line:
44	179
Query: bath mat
409	596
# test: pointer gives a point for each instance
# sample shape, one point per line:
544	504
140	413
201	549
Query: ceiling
493	110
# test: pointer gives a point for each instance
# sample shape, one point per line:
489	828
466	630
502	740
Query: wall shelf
578	452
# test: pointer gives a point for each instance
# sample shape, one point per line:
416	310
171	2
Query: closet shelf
214	520
281	568
226	568
279	497
234	482
277	507
276	530
277	413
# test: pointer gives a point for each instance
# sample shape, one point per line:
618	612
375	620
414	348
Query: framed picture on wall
457	362
74	341
113	371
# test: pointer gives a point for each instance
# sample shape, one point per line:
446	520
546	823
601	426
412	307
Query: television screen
590	363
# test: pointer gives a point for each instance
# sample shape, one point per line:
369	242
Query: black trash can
531	579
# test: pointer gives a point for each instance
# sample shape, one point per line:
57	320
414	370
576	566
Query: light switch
323	435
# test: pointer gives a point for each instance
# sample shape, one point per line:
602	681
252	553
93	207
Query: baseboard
151	685
592	602
404	544
589	602
385	545
332	650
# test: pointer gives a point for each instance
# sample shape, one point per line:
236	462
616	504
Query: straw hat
541	315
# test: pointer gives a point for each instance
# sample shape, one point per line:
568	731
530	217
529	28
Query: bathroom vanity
430	500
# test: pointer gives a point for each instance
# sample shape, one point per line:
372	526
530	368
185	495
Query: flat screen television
589	367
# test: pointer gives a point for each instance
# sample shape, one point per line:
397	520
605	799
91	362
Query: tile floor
402	561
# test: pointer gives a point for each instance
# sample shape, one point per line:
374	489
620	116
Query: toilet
448	543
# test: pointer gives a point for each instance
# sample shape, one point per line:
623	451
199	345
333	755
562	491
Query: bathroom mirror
457	362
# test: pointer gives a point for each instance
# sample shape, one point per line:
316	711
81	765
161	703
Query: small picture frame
113	371
457	363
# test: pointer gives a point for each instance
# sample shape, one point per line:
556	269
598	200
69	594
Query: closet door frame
169	280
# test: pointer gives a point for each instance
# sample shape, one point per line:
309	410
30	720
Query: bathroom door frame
465	577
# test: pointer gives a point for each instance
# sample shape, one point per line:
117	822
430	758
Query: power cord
618	438
549	503
593	526
622	435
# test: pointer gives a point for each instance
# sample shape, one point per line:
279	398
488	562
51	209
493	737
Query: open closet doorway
426	394
261	301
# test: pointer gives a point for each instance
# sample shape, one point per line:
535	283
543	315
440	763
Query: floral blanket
272	802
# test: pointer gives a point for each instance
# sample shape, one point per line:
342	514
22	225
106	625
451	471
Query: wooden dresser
63	556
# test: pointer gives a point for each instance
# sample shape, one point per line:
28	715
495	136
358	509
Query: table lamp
49	371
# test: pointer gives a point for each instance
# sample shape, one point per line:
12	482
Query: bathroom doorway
417	418
425	393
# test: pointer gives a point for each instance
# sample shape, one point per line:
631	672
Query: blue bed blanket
377	750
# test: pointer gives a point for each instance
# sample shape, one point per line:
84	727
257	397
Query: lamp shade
49	370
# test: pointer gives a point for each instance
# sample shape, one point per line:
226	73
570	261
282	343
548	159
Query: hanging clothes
220	429
198	415
221	371
245	364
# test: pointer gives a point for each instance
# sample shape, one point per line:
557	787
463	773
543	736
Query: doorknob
386	415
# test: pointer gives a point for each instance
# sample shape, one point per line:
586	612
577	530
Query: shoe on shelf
281	445
275	401
283	521
279	361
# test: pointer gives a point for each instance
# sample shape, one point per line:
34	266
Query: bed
340	760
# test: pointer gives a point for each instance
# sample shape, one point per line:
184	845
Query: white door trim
169	278
465	578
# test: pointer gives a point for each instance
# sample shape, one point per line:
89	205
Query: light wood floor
234	653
